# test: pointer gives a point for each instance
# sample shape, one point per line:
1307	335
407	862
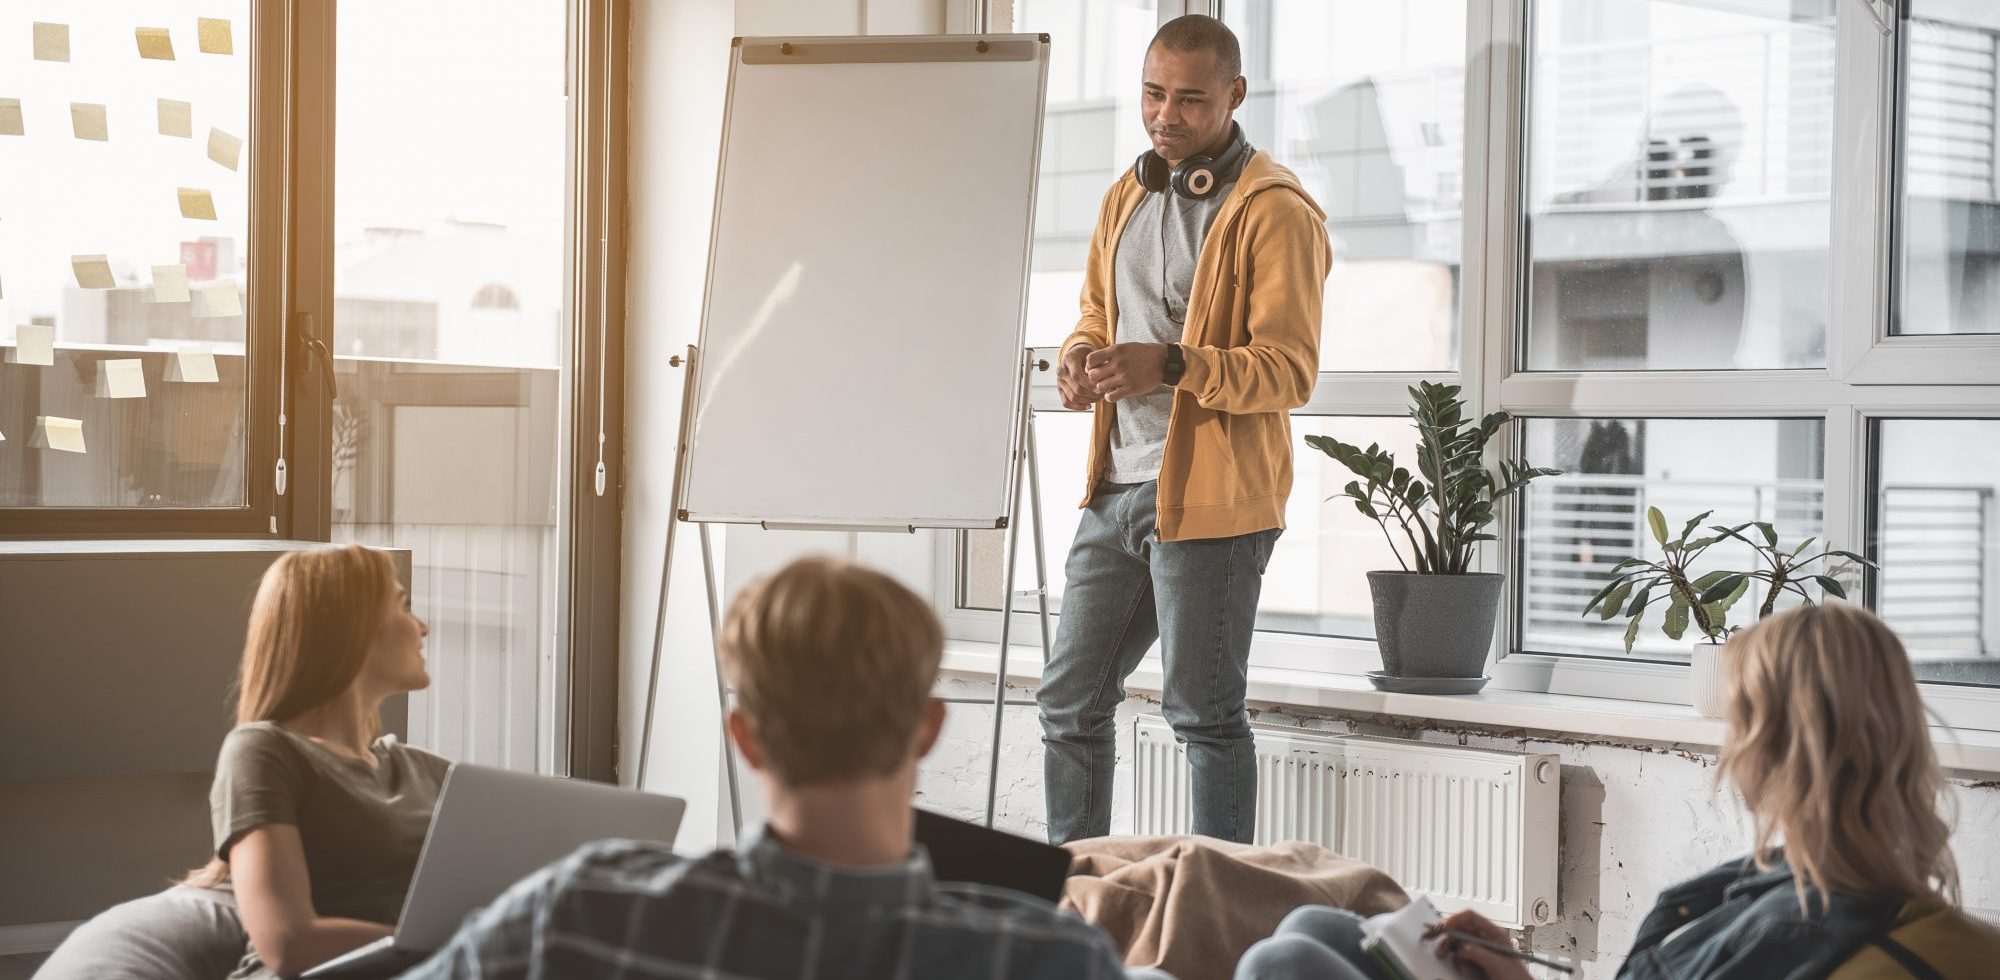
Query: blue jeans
1125	589
1314	942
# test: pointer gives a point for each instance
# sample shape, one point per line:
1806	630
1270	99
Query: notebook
1397	941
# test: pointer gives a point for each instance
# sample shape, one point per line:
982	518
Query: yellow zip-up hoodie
1251	342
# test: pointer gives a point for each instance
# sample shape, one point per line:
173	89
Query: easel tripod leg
721	690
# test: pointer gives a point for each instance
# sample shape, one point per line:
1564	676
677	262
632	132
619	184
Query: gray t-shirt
1154	275
362	826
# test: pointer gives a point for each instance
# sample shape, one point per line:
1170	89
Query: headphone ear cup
1151	171
1195	177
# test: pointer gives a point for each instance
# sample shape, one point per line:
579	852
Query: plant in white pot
1704	602
1434	618
1637	584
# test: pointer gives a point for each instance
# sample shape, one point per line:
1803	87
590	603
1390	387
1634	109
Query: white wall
680	51
1635	818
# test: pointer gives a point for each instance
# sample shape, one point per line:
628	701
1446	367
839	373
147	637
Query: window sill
145	547
1560	714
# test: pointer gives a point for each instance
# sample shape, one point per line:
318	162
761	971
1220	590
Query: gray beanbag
182	933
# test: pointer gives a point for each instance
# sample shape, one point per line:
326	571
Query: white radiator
1472	828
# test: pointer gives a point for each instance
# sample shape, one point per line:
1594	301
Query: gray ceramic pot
1435	625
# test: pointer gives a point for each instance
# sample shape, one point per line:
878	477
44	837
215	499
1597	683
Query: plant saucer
1425	685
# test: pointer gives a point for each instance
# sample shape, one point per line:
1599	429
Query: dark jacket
1745	924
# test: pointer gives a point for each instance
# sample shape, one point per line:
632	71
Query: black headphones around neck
1198	177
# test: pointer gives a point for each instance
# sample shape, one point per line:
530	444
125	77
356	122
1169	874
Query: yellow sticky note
170	284
58	433
87	119
197	203
221	299
224	148
193	365
92	271
155	43
10	118
35	343
51	42
214	33
176	118
122	377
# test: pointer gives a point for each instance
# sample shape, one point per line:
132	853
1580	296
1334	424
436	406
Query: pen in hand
1466	937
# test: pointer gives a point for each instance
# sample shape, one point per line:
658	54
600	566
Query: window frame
292	64
1869	374
264	513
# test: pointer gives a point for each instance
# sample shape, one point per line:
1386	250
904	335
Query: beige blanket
1192	905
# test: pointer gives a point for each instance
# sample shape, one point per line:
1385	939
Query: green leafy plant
1636	582
1444	507
1785	571
1704	602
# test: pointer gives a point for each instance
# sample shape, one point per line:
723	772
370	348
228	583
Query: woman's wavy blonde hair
316	614
1828	745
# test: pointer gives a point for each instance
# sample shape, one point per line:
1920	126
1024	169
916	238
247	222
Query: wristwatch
1176	366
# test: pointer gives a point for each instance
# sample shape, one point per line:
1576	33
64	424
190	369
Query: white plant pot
1705	680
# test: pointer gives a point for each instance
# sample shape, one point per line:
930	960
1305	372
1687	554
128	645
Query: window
453	354
1090	134
1950	188
1654	284
1679	178
1935	530
1365	101
127	270
1577	526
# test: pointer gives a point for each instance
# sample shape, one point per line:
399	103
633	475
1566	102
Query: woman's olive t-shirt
362	826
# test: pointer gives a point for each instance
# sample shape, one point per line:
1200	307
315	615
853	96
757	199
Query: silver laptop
492	828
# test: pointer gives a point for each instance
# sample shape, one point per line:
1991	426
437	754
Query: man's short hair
833	665
1197	32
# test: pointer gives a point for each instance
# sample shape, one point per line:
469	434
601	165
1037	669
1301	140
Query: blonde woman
1828	746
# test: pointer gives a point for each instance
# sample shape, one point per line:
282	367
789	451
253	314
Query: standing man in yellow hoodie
1199	332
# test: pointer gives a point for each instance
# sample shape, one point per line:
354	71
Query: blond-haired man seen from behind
833	666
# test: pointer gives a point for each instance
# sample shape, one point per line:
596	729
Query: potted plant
1704	602
1433	618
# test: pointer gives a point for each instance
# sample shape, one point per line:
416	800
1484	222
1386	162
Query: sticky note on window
170	284
58	433
155	43
51	42
92	271
214	34
224	148
220	299
10	118
87	120
176	119
197	203
34	343
194	366
122	377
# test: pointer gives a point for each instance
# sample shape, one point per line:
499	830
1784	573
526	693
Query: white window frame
1869	374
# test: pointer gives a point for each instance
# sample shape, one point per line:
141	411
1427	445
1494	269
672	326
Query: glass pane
1091	134
452	366
1316	582
1578	525
123	254
1951	179
1937	538
1062	451
1680	160
1318	579
1365	101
